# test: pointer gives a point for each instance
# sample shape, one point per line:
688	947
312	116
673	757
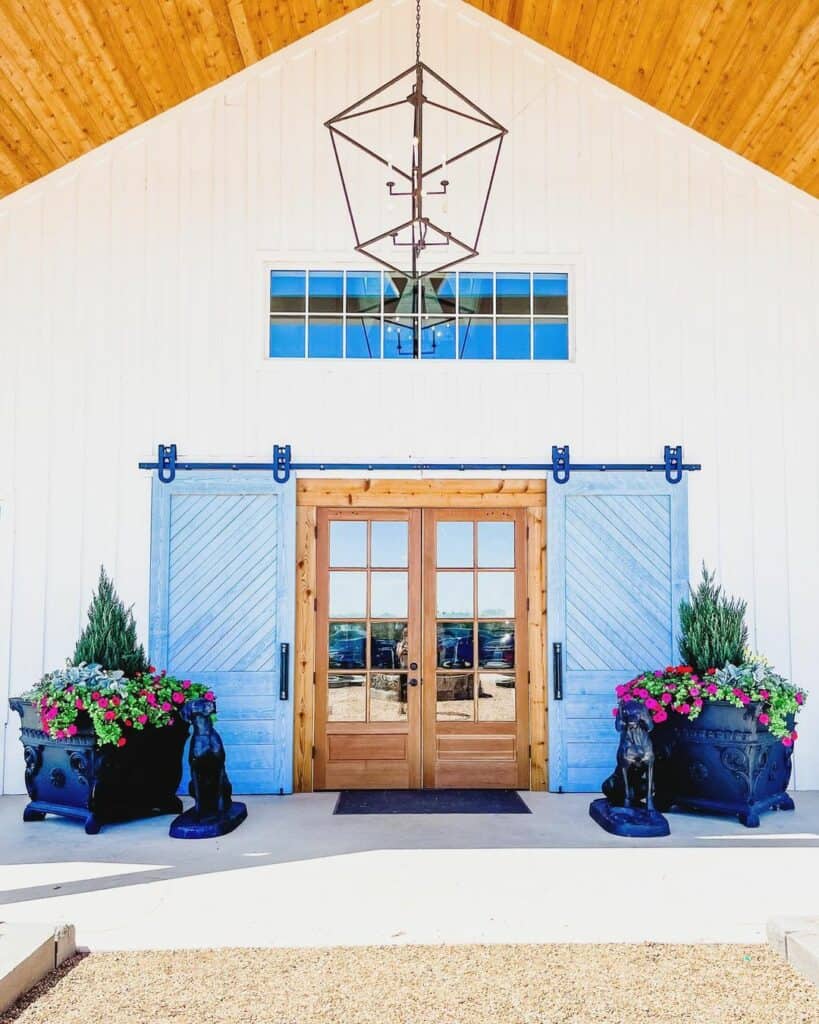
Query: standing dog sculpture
632	782
214	813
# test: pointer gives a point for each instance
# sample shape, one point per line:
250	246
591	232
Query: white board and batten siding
133	293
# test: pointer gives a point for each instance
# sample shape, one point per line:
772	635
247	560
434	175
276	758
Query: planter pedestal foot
189	826
634	822
30	814
92	825
749	820
786	804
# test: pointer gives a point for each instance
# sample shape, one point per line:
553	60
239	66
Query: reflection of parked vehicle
496	646
455	647
385	653
348	647
455	687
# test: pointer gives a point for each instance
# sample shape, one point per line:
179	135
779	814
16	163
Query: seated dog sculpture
214	812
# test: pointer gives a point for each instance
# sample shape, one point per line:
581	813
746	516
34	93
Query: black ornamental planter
725	762
97	784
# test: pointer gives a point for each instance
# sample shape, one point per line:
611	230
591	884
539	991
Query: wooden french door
421	676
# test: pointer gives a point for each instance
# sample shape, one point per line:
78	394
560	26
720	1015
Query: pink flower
178	697
764	719
658	675
116	701
165	706
652	704
660	716
210	695
151	699
712	688
121	741
764	694
60	734
666	698
151	668
103	702
95	695
72	730
186	684
142	719
615	712
694	690
642	693
794	735
110	716
78	704
787	741
684	709
800	697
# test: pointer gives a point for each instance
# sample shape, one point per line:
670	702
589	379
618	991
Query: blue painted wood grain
618	569
222	600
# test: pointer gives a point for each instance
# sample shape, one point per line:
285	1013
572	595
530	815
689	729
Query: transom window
374	314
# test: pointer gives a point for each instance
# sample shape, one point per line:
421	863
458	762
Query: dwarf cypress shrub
713	627
110	638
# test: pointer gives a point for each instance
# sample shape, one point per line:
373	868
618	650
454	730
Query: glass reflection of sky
348	544
454	545
454	595
388	595
389	544
348	595
496	594
496	545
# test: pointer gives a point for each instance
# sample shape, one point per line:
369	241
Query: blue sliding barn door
222	601
618	568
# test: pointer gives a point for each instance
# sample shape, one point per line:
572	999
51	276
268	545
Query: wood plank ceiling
77	73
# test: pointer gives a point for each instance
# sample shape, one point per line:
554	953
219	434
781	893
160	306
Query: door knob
413	682
413	666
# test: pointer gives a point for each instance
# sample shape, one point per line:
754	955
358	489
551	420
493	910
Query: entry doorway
421	648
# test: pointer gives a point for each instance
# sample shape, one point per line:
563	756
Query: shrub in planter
100	745
730	727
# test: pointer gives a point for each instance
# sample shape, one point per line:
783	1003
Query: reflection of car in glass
496	646
348	647
455	647
385	653
455	687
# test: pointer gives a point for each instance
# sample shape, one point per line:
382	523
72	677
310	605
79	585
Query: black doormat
430	801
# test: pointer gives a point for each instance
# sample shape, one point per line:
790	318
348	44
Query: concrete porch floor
295	875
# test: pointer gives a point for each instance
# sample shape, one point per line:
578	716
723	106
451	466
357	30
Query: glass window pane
454	545
347	645
454	595
399	294
363	338
388	595
551	294
512	294
437	339
455	697
287	337
363	291
474	338
287	291
439	293
496	697
388	697
496	545
455	645
348	544
325	292
496	594
388	645
512	339
399	338
551	339
324	339
475	293
496	645
389	544
348	595
346	698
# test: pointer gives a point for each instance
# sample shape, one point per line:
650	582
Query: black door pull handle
284	671
557	671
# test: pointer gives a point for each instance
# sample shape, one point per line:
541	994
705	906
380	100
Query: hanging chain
417	31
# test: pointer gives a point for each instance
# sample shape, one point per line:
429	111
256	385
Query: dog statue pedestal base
635	822
190	826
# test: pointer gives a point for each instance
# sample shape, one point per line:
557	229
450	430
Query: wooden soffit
77	73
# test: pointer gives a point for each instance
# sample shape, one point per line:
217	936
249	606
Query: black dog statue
629	807
214	813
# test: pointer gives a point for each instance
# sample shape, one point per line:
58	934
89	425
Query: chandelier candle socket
445	196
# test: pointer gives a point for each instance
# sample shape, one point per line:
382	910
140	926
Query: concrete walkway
295	875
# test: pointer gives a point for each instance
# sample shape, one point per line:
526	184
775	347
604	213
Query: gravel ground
569	984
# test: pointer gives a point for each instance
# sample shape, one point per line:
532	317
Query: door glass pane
496	545
388	595
474	338
363	338
287	337
399	293
454	597
496	594
551	294
348	595
348	544
455	645
475	294
346	698
399	338
389	545
287	291
512	339
364	291
512	294
439	293
454	545
325	290
347	645
455	691
496	645
388	697
324	337
388	645
496	697
551	339
437	339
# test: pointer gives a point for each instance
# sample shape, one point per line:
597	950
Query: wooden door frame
315	493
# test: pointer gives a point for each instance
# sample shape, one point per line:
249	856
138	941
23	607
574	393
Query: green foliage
110	638
714	633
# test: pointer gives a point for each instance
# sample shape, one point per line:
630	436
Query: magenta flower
666	698
794	735
186	684
652	704
116	701
615	712
110	716
787	741
60	734
698	702
800	697
151	699
165	706
684	709
72	730
764	694
660	716
764	719
178	697
78	704
142	719
694	690
658	675
642	693
711	688
103	702
210	695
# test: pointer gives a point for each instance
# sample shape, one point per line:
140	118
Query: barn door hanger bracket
561	467
672	465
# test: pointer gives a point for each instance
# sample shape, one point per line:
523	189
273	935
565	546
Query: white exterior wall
133	310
